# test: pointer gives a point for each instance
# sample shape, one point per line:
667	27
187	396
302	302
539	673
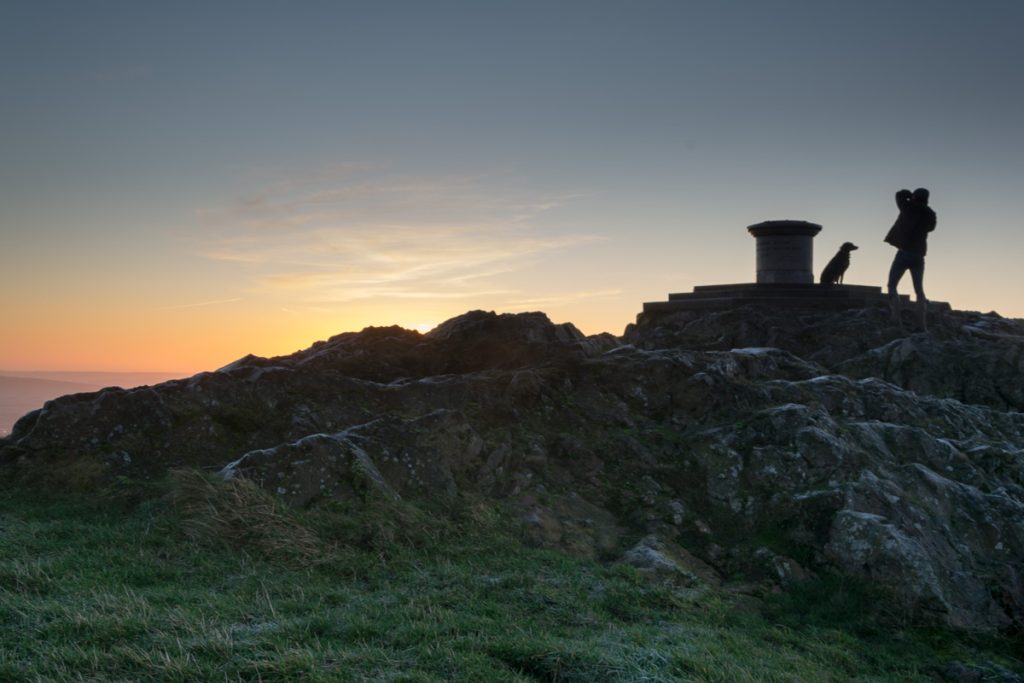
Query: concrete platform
788	295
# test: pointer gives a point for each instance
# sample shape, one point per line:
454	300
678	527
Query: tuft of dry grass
75	474
240	515
381	524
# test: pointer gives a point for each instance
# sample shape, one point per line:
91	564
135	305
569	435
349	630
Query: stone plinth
798	296
785	251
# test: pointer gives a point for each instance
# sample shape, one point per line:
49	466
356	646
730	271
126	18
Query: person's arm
903	199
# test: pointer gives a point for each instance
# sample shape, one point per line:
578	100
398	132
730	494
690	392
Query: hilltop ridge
763	443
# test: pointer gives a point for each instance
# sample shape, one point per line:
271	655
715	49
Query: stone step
735	302
719	303
757	293
778	287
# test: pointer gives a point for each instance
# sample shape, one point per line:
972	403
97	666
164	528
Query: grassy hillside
214	581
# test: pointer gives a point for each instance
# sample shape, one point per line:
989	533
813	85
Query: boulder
318	466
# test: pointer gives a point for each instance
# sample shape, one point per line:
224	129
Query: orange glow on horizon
187	340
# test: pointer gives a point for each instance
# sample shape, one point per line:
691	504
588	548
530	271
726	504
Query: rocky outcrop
351	379
972	357
700	450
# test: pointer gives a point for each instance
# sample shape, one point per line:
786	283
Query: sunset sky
182	183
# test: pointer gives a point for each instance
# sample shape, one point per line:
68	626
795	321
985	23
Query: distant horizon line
95	372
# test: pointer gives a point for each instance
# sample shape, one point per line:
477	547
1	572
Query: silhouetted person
909	234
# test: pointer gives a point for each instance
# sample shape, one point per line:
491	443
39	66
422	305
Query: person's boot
922	312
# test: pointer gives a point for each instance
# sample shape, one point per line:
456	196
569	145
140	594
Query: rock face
771	445
972	357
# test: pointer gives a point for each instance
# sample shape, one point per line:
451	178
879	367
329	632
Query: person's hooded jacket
916	220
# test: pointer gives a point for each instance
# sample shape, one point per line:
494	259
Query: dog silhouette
836	268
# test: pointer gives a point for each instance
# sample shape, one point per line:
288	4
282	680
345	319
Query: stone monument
785	251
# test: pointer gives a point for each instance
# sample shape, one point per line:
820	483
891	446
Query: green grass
216	582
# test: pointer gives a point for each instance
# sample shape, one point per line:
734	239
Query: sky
185	183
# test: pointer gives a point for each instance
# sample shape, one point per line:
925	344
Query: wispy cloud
368	234
200	303
540	302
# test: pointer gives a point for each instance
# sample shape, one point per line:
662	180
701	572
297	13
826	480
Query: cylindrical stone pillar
785	251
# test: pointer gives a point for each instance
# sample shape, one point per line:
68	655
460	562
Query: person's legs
917	275
899	266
